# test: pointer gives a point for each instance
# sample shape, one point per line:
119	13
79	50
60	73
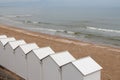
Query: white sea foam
70	32
44	29
35	22
104	30
52	30
13	16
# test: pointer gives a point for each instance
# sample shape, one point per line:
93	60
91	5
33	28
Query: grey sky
85	2
16	0
74	2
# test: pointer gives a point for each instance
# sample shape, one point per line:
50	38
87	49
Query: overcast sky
16	0
73	2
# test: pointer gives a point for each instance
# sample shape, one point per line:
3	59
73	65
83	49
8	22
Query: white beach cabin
21	58
1	47
82	69
10	53
34	59
3	56
53	63
1	44
3	36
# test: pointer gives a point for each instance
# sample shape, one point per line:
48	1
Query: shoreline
71	35
58	37
107	57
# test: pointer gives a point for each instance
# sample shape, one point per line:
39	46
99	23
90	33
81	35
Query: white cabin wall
34	67
1	48
93	76
69	72
11	55
2	57
8	53
51	69
21	63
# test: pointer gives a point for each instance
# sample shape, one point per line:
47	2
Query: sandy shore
107	57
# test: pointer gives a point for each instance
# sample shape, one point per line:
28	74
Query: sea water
90	24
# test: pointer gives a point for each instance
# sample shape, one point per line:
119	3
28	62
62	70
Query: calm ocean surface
90	24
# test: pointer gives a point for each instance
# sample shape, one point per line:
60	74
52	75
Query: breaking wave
104	30
52	30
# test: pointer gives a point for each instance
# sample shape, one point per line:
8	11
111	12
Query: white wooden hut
21	58
10	56
1	47
53	63
3	36
3	42
82	69
34	59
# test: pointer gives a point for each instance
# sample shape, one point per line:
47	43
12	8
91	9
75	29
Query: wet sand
107	57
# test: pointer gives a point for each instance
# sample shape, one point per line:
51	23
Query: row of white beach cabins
34	63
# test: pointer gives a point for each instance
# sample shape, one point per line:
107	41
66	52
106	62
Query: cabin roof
87	65
28	47
5	40
15	44
3	36
43	52
62	58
